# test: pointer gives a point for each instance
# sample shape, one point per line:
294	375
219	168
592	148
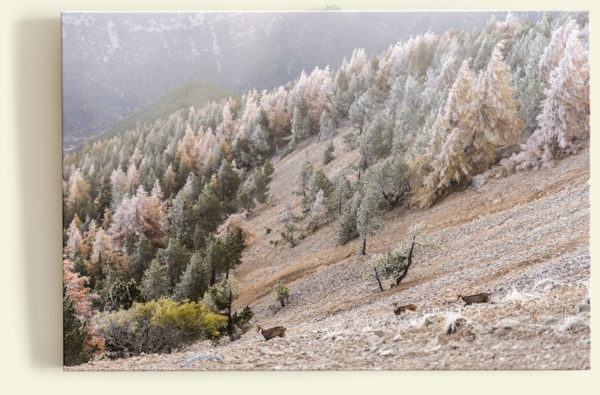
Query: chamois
479	298
402	309
271	332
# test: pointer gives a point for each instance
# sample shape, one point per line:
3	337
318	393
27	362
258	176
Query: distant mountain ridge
117	63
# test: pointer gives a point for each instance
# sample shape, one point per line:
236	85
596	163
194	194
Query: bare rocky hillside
523	238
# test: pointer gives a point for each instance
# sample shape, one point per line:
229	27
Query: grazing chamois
479	298
271	332
402	309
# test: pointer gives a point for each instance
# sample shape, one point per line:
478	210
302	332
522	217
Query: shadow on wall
37	96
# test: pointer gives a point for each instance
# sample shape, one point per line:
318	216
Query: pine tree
228	181
74	335
342	193
390	180
301	123
194	280
367	217
140	260
155	283
318	211
244	199
303	178
207	210
326	125
176	258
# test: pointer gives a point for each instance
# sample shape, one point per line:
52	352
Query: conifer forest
424	205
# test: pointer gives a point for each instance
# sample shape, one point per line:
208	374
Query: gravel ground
523	238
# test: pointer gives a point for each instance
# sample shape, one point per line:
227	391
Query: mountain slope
195	93
524	238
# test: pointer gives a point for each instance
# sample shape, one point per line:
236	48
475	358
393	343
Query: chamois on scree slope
271	332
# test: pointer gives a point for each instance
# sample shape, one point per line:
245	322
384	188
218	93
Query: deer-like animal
478	298
402	309
271	332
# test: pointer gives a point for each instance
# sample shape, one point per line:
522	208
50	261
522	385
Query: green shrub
328	153
282	293
158	326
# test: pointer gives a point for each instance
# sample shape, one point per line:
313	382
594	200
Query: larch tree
446	162
497	124
170	181
79	190
479	121
74	244
101	252
78	292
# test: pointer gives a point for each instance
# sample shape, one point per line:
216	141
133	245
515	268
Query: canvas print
326	190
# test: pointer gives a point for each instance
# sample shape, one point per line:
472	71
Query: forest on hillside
152	235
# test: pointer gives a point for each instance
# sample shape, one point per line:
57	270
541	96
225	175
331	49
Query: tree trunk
213	276
378	279
364	247
408	262
229	321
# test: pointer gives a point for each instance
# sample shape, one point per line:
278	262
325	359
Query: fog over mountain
116	63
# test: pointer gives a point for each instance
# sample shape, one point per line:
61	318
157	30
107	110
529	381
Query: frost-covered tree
304	176
479	120
359	111
101	253
228	181
341	194
301	123
347	229
497	123
326	125
376	142
74	244
367	217
446	162
554	52
318	211
140	214
78	292
169	181
390	180
564	120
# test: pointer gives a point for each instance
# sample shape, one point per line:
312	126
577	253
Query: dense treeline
143	211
